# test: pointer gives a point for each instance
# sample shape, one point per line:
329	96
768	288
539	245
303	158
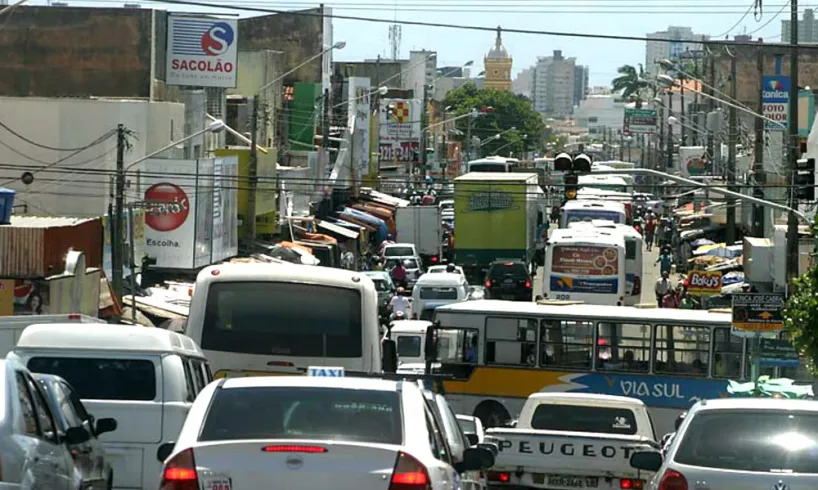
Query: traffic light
563	163
805	179
582	163
571	181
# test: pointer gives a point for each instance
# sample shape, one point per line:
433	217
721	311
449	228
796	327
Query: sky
365	40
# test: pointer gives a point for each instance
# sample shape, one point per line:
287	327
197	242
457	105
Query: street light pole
730	232
792	222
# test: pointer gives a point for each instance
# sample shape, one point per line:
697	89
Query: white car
309	432
436	269
35	456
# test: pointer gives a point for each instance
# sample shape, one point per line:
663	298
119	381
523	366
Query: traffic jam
441	362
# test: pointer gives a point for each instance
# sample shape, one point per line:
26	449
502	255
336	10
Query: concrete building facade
581	80
596	112
553	85
522	82
807	29
658	48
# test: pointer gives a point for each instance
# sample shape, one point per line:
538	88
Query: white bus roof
625	314
602	194
605	224
497	177
328	276
98	337
601	180
495	159
598	236
594	204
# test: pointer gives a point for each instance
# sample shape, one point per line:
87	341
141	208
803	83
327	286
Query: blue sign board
775	98
655	391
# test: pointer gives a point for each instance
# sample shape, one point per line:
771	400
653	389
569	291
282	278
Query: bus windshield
574	215
278	318
488	167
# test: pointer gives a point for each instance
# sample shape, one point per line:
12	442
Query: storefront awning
338	230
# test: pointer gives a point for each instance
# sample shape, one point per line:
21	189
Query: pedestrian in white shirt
401	303
663	287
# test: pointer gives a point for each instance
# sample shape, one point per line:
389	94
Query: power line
609	37
775	16
40	145
728	31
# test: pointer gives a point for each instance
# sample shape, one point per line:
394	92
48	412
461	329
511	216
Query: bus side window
726	354
624	347
682	350
511	341
566	344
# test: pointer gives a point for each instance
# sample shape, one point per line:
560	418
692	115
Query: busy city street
446	245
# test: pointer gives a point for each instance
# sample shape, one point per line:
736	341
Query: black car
509	279
70	415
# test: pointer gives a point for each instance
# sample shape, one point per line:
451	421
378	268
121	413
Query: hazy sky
457	46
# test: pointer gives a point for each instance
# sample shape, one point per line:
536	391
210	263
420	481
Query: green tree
507	111
801	312
631	83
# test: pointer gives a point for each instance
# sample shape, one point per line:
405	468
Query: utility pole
792	221
732	136
697	111
252	176
669	143
758	152
468	138
621	145
711	107
117	255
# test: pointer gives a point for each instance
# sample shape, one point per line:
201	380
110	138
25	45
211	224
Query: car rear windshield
283	318
102	379
744	440
514	270
438	293
579	418
398	251
304	413
409	345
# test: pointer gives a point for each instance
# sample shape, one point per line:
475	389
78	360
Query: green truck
497	216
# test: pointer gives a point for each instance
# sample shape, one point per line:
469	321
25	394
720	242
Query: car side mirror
76	435
490	447
472	438
646	460
105	425
474	459
389	363
164	451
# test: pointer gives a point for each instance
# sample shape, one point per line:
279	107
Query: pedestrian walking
663	287
650	231
665	260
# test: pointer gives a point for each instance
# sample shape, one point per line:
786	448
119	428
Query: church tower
497	65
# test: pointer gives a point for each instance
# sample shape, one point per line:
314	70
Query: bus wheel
492	414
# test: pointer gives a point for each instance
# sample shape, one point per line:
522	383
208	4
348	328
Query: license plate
508	297
508	282
565	481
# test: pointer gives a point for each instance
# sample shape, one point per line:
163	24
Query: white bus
581	210
585	265
606	182
669	358
633	255
262	319
493	164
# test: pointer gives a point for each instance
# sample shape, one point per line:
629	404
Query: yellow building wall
266	191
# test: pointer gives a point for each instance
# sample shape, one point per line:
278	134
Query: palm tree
631	82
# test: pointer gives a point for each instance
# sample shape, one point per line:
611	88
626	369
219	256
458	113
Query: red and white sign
168	207
170	211
777	111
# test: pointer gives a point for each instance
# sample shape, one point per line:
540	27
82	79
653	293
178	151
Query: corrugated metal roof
45	221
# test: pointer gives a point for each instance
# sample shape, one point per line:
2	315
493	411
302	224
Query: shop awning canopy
338	230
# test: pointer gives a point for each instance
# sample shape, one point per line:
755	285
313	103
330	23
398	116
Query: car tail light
409	474
637	286
499	477
631	484
290	448
434	259
528	284
488	283
180	473
672	480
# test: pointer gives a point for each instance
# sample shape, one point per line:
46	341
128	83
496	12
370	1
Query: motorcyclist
400	305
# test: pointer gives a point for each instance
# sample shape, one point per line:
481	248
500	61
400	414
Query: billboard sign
639	121
757	313
585	261
202	51
775	99
692	161
399	130
359	108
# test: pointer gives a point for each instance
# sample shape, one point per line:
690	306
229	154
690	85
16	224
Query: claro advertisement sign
190	211
202	51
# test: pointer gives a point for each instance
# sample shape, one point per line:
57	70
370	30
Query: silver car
739	443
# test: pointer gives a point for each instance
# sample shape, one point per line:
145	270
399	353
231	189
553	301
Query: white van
433	290
145	378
